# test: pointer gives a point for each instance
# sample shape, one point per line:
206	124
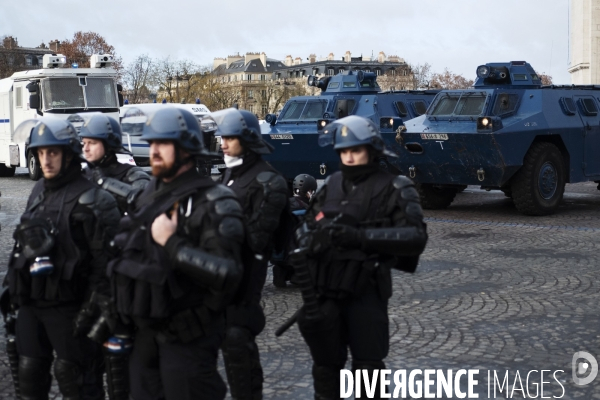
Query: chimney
330	57
263	59
10	43
312	58
381	57
348	56
218	61
55	45
297	61
288	61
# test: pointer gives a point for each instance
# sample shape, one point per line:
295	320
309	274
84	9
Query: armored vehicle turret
294	133
508	132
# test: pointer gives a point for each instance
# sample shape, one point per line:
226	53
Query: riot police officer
101	137
58	262
263	194
178	266
361	223
303	187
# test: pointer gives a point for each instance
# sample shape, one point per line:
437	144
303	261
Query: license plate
284	137
220	166
434	136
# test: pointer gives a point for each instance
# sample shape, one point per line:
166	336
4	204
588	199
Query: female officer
362	223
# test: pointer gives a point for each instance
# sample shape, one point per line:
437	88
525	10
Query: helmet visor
230	122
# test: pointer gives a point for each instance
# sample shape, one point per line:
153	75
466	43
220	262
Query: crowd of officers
145	278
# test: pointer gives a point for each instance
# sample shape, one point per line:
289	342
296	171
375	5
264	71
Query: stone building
15	58
262	85
584	45
393	73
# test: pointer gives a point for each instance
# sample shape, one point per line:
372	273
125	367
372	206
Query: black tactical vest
340	273
144	283
68	280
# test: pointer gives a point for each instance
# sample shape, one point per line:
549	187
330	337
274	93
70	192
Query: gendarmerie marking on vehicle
434	136
282	137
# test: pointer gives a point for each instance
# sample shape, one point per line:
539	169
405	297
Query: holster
36	237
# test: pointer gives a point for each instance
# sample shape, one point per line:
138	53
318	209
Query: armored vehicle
508	132
294	133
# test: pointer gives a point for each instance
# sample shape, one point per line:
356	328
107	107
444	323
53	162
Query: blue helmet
177	125
232	122
353	131
102	127
54	132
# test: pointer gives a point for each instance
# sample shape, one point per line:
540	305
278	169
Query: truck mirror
34	101
32	87
120	99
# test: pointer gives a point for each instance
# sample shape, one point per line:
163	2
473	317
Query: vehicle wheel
6	171
539	185
35	172
507	190
434	197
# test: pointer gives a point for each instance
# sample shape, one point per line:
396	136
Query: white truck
52	91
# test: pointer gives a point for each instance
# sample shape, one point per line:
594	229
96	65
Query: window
249	77
588	106
392	87
263	77
330	71
420	107
378	72
265	109
520	77
392	72
250	94
304	110
333	85
464	104
251	108
263	94
505	104
344	107
28	60
19	97
341	70
349	84
568	105
401	108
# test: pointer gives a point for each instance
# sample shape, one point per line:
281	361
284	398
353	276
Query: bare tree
137	77
421	75
449	80
546	79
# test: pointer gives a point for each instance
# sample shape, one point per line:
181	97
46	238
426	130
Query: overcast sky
454	34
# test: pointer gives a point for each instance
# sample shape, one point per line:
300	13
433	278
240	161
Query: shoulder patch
402	181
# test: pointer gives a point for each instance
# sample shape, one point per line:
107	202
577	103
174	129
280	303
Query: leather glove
345	236
85	319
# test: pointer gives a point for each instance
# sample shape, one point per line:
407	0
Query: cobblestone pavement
494	291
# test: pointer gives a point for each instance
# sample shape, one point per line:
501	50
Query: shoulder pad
135	174
228	206
231	228
274	181
219	191
88	197
402	181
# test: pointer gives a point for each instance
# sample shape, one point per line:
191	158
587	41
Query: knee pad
34	377
68	376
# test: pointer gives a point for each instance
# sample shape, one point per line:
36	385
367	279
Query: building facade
262	85
14	58
584	42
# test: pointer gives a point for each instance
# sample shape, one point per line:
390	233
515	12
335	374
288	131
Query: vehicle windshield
304	110
460	104
133	125
79	92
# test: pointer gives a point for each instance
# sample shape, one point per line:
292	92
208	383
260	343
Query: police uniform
263	194
123	181
58	261
361	223
176	295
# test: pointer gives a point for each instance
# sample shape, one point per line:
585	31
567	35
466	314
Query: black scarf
358	173
249	159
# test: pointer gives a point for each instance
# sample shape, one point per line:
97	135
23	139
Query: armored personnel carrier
509	133
294	133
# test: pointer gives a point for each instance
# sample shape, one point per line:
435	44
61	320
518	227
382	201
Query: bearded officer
101	137
58	263
178	266
263	194
362	223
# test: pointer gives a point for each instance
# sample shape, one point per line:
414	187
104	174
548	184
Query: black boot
369	366
326	382
237	355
